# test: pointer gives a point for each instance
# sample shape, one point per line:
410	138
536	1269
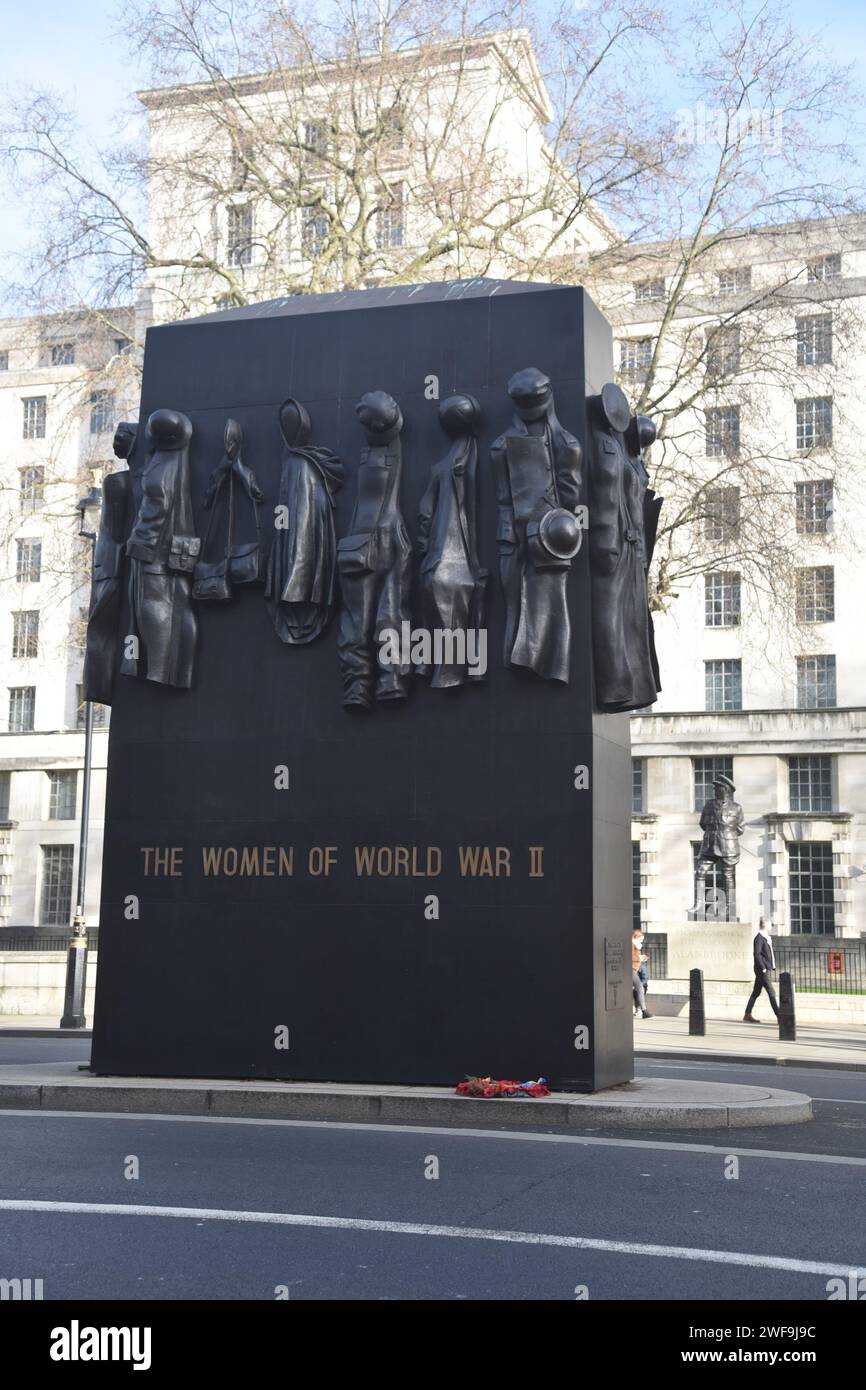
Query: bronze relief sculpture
374	562
100	659
623	518
536	467
162	551
453	583
301	585
241	562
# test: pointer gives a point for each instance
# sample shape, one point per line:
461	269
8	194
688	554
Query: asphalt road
321	1211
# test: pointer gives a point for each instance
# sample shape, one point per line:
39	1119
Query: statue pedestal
723	950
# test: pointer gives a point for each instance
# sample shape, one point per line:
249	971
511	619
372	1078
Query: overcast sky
74	47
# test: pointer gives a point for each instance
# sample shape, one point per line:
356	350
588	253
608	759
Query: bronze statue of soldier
722	823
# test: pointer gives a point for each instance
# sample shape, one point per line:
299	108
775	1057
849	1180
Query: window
814	501
649	291
31	489
240	234
816	682
810	876
25	635
315	230
316	137
723	681
393	128
5	794
62	354
22	708
63	789
122	347
815	422
722	516
637	881
706	770
241	155
390	229
815	594
101	412
56	902
635	355
226	301
638	779
722	430
825	268
814	340
723	352
722	599
28	562
35	410
810	786
735	279
81	711
4	361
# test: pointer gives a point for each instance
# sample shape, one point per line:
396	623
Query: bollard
787	1012
697	1019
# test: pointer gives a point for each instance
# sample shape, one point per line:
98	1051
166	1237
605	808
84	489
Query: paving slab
646	1103
727	1041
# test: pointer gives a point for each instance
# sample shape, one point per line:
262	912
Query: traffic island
646	1103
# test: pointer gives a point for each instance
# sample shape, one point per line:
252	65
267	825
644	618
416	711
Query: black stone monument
437	887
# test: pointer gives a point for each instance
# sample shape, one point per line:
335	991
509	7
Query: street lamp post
76	956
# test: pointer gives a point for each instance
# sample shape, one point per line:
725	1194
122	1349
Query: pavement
179	1207
843	1048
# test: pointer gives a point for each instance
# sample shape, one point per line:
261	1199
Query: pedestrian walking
765	963
638	962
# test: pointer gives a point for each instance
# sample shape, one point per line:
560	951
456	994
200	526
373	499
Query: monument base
723	950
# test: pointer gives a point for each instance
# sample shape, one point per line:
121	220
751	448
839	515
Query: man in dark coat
536	469
162	550
765	962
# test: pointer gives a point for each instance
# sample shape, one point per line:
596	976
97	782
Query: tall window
824	268
63	787
81	711
101	412
723	681
814	340
816	594
240	234
735	279
637	880
810	876
635	355
393	127
722	515
22	708
31	488
25	635
706	770
810	783
316	137
391	224
35	412
62	354
722	599
815	422
123	347
638	786
4	361
5	794
814	501
315	230
722	430
723	351
28	562
649	291
816	682
56	899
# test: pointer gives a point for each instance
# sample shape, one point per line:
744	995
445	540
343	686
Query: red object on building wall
835	962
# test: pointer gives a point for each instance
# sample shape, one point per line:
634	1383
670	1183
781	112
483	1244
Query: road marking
586	1140
411	1228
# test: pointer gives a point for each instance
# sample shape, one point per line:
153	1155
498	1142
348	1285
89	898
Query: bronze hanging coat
162	551
301	586
100	659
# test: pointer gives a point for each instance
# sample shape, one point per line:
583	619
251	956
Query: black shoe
646	1014
747	1018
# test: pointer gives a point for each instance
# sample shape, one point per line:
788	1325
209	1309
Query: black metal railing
655	946
829	965
42	938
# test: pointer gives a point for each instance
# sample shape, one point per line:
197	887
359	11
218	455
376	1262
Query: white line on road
457	1132
410	1228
